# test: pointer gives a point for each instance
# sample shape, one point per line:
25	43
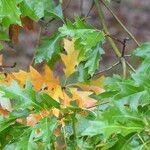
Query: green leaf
45	135
56	12
23	97
144	66
86	37
82	73
3	36
5	123
49	48
143	50
87	42
9	13
93	61
11	133
99	127
49	101
1	47
35	9
128	92
38	9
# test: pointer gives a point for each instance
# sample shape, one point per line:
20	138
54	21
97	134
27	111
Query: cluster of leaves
71	110
12	14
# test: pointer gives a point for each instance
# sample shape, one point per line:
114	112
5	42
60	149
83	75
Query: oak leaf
97	86
70	60
83	98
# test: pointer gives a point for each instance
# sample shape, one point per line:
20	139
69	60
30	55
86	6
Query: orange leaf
4	112
83	98
33	119
95	85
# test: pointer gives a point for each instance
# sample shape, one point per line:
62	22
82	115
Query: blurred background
135	15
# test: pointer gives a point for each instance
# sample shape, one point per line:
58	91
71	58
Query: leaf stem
64	132
74	127
143	141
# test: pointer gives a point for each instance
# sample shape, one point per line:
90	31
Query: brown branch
121	24
88	13
107	69
115	39
124	46
130	66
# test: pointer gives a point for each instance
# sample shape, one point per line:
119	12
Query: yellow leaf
56	112
98	82
71	59
51	85
20	76
95	89
83	98
96	86
49	75
36	78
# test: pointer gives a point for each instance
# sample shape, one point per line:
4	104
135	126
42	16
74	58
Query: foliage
73	109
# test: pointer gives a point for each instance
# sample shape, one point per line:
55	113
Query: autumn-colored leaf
33	119
20	76
51	85
49	76
83	98
14	29
27	23
70	59
96	86
4	112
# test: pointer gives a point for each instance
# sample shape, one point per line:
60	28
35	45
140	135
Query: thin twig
124	46
103	22
67	5
88	13
118	20
81	8
115	39
128	55
107	69
74	127
130	66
